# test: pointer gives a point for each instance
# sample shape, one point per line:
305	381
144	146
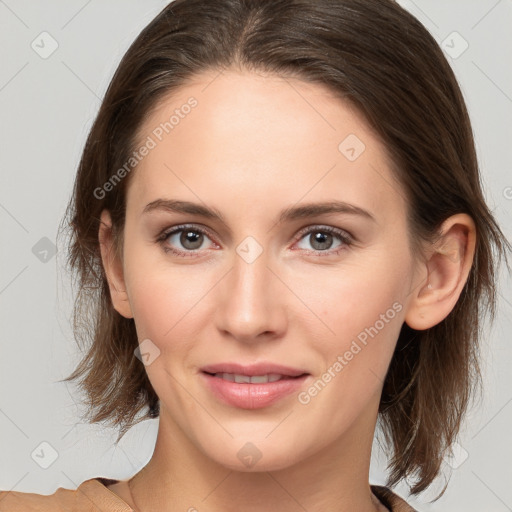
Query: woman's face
323	293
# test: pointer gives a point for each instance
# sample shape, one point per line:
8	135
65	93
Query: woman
279	222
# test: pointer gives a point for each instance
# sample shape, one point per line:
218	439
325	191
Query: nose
251	301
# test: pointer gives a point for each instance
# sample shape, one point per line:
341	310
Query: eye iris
185	239
320	237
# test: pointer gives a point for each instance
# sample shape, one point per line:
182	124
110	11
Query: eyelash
342	235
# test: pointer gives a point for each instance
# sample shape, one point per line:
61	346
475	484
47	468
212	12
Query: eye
321	239
189	237
192	238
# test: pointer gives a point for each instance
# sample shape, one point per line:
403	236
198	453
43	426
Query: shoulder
15	501
391	500
91	496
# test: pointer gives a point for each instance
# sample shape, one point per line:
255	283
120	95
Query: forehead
263	138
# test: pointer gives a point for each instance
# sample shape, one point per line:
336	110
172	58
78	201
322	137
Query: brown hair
377	56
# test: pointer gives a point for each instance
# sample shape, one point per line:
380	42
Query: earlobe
113	267
445	275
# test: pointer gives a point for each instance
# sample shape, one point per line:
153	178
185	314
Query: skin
254	145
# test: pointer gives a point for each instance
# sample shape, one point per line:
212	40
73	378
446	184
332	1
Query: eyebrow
286	215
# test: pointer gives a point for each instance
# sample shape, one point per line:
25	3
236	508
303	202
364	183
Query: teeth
256	379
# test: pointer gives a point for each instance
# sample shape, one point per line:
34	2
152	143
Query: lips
252	386
255	379
258	369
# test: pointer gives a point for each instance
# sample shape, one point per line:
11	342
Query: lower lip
252	396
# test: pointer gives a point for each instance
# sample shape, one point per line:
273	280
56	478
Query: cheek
162	301
356	294
169	301
363	315
366	320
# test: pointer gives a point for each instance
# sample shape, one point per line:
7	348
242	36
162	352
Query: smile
255	379
251	392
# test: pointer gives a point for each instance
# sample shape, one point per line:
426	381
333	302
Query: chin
255	456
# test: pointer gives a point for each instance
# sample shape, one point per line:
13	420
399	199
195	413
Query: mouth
253	379
262	369
252	387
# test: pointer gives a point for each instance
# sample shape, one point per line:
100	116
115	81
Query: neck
181	477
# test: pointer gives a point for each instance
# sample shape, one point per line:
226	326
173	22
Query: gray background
47	107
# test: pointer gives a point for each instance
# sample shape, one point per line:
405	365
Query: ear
113	267
447	269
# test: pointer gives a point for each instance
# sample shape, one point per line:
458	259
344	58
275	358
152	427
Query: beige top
93	495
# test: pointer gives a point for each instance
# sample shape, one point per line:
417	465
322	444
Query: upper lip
262	368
